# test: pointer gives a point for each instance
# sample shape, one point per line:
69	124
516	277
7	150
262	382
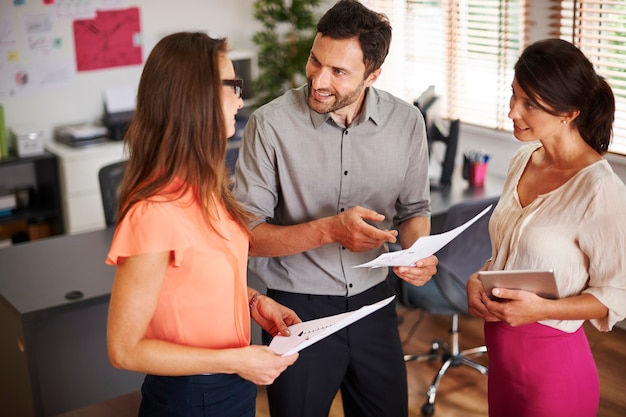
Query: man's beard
339	102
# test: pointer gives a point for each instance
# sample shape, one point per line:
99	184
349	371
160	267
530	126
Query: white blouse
578	230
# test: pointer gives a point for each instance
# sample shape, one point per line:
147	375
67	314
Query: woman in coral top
180	306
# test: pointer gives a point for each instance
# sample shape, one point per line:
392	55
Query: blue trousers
219	395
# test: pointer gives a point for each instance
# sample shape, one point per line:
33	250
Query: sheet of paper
422	248
306	333
120	99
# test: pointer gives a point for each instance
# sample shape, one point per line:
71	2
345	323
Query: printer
117	123
119	109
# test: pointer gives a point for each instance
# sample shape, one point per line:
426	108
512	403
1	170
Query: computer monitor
243	62
428	103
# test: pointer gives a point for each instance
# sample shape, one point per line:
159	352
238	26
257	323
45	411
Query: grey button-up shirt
296	165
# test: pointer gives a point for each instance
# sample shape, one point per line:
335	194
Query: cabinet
40	175
54	298
80	189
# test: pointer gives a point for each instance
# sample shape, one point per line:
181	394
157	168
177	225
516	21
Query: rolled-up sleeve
603	241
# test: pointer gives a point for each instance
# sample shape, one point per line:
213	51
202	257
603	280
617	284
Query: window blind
598	28
465	48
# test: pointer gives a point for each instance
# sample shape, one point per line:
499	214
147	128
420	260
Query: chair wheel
428	410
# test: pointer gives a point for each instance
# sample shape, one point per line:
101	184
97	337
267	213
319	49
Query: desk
53	350
459	190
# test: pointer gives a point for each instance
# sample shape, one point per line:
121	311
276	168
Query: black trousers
364	360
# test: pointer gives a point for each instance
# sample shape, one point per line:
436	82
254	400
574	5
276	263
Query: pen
477	156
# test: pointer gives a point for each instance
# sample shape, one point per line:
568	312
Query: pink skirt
539	371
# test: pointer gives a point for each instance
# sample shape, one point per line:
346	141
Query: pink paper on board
108	40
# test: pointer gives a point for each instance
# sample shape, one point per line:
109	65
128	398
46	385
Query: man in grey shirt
328	169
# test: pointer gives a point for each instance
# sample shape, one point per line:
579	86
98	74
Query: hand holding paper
312	331
422	248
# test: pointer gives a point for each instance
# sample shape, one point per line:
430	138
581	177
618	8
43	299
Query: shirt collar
370	110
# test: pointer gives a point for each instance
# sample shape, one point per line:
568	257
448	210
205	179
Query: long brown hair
178	129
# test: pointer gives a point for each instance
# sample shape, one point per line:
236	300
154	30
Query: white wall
82	99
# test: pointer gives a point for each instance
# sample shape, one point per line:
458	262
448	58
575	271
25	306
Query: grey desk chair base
451	356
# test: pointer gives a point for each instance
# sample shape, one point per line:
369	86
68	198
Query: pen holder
475	167
476	172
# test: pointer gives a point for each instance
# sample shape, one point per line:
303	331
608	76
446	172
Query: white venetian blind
598	28
465	48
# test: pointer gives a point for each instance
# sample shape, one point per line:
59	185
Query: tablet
539	281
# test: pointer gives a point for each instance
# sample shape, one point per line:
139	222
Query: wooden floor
462	392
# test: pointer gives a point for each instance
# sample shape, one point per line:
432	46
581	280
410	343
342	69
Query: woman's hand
273	317
516	307
260	365
475	299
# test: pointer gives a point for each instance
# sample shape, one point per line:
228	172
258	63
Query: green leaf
283	44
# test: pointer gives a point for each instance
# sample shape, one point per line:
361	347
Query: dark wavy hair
178	129
560	75
349	18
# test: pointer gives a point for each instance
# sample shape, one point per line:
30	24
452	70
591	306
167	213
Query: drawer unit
80	189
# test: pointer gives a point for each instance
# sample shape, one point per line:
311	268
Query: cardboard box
27	141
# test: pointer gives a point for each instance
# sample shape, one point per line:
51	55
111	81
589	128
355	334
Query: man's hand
351	230
419	274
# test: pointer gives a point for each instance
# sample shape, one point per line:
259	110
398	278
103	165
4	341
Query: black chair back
110	178
467	253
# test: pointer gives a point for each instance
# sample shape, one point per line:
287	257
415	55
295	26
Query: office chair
446	294
110	178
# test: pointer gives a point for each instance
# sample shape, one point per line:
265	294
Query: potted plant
284	43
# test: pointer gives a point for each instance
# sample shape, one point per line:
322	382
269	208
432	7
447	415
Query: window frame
461	48
409	68
594	27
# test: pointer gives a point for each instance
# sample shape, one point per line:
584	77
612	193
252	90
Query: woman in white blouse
562	208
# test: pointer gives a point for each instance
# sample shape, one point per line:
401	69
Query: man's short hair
349	18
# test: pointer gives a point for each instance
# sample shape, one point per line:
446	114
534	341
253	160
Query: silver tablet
539	281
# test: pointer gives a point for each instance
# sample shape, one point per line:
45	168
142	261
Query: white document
422	248
120	99
306	333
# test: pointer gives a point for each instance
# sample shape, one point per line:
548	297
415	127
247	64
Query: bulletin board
46	43
59	57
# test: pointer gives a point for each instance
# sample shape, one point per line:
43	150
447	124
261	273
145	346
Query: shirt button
350	285
342	209
345	172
